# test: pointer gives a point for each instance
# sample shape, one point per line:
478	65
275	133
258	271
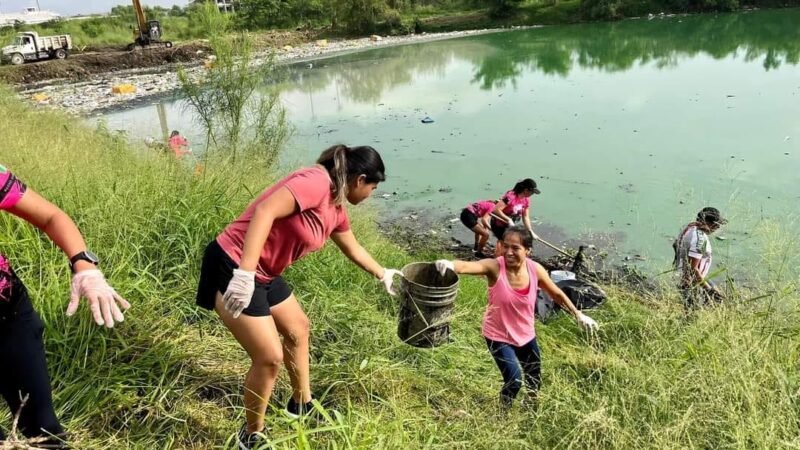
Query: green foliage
259	14
238	115
170	375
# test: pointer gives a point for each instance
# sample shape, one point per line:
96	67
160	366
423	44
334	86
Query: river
629	128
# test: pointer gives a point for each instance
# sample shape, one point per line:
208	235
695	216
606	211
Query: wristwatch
83	256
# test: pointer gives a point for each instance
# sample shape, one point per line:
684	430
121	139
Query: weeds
239	115
170	376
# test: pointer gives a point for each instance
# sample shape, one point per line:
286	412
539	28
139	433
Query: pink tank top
509	316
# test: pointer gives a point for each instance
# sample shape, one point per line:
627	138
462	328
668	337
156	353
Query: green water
629	128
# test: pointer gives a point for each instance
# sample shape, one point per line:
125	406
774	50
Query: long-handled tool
558	249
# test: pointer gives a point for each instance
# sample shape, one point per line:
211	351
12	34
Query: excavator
148	33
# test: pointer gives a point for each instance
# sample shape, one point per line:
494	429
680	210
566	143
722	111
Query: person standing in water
24	372
241	271
508	324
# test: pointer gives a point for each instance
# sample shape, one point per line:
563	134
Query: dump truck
29	46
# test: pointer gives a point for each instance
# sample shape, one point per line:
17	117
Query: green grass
170	376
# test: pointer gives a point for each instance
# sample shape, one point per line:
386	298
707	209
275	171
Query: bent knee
299	332
268	359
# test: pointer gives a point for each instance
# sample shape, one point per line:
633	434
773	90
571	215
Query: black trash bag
583	294
545	306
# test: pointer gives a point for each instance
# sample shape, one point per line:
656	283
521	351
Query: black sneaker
249	441
295	409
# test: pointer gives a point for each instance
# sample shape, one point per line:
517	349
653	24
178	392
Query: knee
299	332
269	360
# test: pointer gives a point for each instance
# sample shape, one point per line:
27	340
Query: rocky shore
95	94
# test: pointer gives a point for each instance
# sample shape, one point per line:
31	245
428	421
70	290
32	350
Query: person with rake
508	323
24	378
241	271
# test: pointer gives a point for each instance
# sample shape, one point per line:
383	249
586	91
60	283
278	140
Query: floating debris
427	119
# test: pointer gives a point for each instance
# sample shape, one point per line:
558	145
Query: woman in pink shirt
508	324
22	354
178	144
513	206
286	222
476	217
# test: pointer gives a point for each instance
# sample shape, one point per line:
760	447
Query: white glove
442	265
240	291
102	298
586	322
388	279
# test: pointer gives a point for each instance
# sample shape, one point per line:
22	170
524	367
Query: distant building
29	16
225	6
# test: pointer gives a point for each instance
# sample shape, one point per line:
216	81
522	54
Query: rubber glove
388	279
586	322
442	265
102	298
240	291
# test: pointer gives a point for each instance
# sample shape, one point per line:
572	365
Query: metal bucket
426	305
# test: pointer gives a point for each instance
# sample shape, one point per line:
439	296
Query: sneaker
295	409
249	441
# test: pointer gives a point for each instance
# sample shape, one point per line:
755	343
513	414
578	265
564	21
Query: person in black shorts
23	365
476	217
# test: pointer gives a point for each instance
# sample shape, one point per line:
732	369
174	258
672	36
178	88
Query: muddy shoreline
92	95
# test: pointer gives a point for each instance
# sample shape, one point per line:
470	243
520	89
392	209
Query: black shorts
498	228
216	273
468	218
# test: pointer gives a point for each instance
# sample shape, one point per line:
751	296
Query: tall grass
170	376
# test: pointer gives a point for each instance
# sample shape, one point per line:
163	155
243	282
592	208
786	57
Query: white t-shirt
693	243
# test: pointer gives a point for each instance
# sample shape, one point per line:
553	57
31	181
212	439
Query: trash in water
427	119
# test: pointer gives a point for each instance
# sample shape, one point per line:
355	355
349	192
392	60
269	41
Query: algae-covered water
628	127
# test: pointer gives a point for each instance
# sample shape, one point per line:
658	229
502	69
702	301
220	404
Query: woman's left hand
586	322
388	279
102	298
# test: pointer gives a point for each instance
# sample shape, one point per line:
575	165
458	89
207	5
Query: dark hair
711	216
524	235
525	185
346	163
174	133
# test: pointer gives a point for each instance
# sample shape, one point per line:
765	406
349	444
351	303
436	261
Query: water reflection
771	37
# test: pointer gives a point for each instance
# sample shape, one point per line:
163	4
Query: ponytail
344	163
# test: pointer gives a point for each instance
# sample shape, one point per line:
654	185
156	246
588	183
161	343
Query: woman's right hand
240	291
442	265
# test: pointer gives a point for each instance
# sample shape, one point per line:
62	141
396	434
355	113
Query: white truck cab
29	46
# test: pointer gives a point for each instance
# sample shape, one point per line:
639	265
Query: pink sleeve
11	189
310	187
344	224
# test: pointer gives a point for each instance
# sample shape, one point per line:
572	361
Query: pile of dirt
80	66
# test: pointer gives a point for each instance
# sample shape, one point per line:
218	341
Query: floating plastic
427	120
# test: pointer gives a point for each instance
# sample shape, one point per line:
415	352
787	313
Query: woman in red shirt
287	221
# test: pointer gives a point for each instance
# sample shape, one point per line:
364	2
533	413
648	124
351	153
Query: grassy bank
170	375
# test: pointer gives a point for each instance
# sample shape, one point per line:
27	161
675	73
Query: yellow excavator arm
140	18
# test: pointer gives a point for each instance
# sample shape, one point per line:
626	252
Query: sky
72	7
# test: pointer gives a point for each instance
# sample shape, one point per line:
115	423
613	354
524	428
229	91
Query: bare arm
277	206
498	211
698	276
554	292
526	219
485	267
485	221
55	223
347	243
